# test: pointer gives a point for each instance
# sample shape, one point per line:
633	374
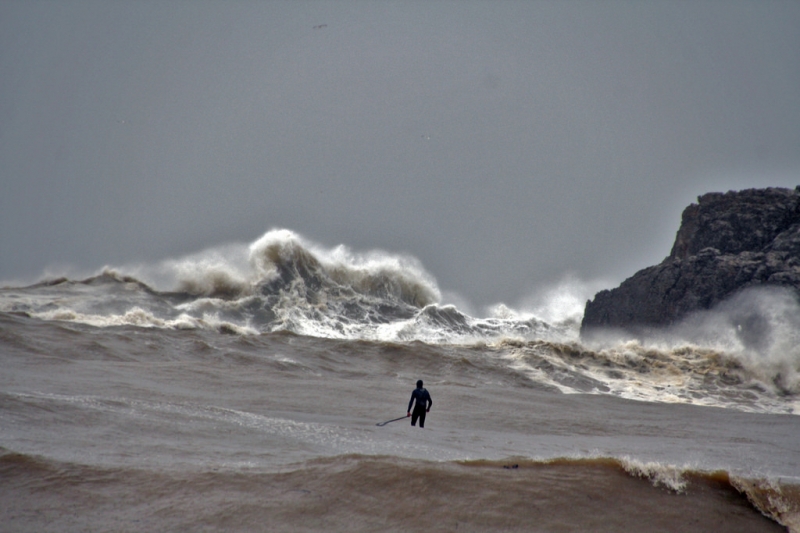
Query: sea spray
742	354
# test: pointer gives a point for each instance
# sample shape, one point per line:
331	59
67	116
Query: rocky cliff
726	243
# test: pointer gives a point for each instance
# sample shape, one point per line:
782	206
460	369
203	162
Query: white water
744	354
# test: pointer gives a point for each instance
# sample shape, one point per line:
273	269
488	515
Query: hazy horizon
505	145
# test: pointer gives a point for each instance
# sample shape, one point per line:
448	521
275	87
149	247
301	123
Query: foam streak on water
131	428
744	354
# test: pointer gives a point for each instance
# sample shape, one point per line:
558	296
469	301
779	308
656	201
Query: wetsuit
424	402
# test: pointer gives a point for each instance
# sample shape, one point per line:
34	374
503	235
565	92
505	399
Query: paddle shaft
392	420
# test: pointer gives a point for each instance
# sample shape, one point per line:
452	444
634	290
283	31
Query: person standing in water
424	403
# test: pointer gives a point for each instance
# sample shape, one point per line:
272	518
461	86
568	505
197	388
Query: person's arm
429	402
411	401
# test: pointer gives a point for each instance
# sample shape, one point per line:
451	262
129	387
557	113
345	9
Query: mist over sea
239	388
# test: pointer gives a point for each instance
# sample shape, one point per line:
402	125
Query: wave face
281	282
390	494
744	354
159	428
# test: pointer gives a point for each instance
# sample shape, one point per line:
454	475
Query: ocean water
241	388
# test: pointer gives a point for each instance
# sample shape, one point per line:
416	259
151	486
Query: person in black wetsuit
423	405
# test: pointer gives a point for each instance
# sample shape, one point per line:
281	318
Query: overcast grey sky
503	144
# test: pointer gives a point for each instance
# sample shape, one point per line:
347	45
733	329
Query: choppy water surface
228	391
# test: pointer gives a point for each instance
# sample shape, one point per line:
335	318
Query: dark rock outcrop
726	243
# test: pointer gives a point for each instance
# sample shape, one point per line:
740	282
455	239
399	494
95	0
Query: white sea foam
746	348
144	319
771	498
373	273
669	476
749	346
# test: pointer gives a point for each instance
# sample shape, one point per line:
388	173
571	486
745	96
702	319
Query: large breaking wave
281	282
744	353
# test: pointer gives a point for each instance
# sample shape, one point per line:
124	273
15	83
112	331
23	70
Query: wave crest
282	258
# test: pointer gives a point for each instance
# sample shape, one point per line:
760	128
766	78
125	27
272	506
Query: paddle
392	420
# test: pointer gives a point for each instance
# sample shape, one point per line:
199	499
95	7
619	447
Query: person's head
419	383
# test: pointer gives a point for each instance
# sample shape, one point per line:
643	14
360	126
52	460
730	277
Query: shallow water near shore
369	493
125	428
